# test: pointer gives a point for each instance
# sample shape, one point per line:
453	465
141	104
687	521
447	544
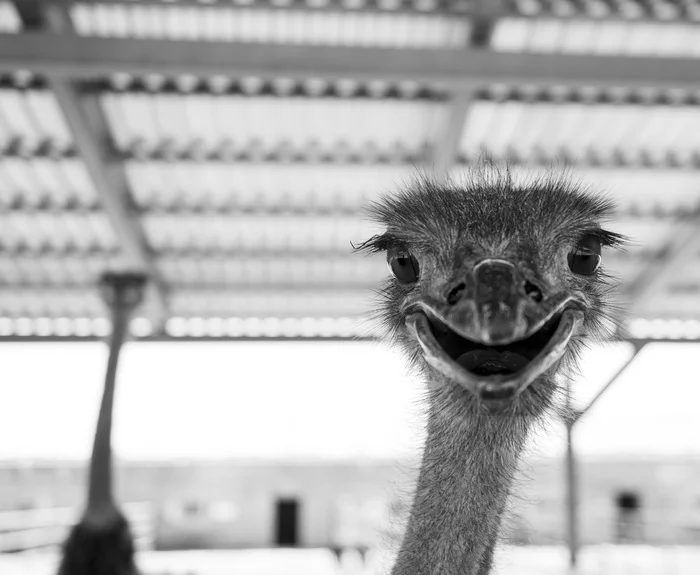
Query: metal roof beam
108	179
447	149
486	14
70	56
89	131
683	248
31	14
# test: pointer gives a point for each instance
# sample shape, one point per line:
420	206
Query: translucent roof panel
221	233
178	123
44	231
58	325
690	274
44	302
606	38
290	270
636	190
267	326
648	235
270	303
219	185
243	195
614	9
582	131
272	25
625	267
40	182
63	311
56	270
9	19
31	121
676	303
645	190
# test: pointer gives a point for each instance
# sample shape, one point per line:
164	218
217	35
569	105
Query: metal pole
100	477
572	493
571	497
101	540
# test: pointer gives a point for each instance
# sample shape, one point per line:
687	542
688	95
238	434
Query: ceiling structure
227	148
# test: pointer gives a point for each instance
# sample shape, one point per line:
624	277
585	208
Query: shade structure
228	148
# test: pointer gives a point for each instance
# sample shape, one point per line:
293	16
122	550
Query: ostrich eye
405	267
585	258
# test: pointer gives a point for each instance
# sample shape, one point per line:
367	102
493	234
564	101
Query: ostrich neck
467	469
100	503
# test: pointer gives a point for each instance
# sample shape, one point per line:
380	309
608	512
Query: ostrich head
495	286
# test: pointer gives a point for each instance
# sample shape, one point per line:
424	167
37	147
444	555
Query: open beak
495	355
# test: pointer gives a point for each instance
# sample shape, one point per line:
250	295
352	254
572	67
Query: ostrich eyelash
611	239
376	244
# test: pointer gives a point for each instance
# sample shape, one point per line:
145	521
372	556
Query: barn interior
226	150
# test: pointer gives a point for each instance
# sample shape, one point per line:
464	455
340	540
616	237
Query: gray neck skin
468	466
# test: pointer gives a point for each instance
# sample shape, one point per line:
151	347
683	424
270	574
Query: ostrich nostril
455	294
533	292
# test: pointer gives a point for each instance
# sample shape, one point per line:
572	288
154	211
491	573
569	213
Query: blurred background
226	148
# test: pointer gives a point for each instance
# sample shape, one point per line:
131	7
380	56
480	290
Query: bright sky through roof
302	400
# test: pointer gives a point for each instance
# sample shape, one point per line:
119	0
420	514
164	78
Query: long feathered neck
468	465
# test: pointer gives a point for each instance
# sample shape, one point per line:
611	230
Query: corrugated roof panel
272	303
648	235
282	270
272	25
687	280
536	130
41	302
55	326
17	121
678	304
654	192
648	190
40	232
30	119
50	119
181	124
266	327
625	267
9	19
587	36
45	182
78	181
56	270
221	185
254	233
545	35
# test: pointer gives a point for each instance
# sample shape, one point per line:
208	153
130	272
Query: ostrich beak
495	341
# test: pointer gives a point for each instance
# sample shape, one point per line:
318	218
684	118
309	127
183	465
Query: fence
47	528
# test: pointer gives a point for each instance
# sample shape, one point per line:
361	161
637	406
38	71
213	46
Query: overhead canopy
227	148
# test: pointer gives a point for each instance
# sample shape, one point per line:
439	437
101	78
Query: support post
571	498
78	57
122	294
91	134
446	150
101	541
572	477
683	247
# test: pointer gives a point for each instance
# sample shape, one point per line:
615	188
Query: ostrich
496	288
101	543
